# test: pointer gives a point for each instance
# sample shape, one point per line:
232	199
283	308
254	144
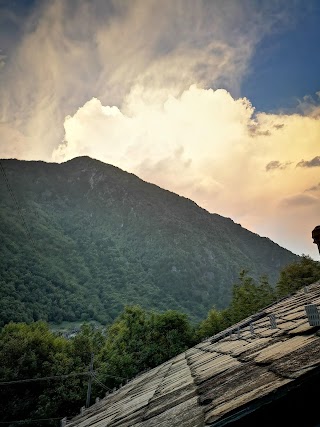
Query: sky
218	101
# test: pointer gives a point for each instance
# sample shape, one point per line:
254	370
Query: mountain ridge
106	238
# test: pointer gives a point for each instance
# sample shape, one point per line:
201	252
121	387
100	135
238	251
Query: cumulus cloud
315	162
128	82
73	51
187	139
275	164
199	134
300	200
278	126
310	105
314	188
254	130
199	144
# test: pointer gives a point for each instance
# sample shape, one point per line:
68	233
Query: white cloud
73	51
126	82
200	145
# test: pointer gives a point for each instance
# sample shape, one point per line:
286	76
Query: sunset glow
166	90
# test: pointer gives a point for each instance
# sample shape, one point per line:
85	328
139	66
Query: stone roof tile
223	378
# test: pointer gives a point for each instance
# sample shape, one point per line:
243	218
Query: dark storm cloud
275	164
254	130
63	53
315	162
314	188
13	16
279	126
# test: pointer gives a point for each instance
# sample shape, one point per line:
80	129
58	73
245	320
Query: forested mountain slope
104	238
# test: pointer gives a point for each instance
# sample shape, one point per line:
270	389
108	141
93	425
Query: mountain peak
104	238
83	160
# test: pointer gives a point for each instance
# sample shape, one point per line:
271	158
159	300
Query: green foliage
89	340
104	239
297	275
32	351
123	350
139	340
213	324
169	334
248	297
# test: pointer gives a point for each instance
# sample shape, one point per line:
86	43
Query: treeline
136	341
102	239
249	296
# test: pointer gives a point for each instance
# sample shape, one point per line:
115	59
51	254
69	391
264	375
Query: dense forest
137	340
83	239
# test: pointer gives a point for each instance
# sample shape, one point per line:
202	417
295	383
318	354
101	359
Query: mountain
81	239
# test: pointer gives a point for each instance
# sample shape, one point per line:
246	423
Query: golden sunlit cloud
73	51
201	145
127	82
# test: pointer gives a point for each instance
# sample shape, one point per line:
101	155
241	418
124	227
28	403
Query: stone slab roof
224	377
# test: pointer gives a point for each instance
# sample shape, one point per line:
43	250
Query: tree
211	325
298	274
169	334
248	297
121	355
88	340
33	351
139	339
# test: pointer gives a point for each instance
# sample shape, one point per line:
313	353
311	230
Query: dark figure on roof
316	236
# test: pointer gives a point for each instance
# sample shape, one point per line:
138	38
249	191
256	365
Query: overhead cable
54	377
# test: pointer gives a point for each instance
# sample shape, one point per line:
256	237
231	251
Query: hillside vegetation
137	340
103	238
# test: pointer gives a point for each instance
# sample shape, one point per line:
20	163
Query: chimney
316	236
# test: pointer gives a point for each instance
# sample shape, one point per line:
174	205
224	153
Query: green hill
103	238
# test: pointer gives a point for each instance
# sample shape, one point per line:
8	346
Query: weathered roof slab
224	378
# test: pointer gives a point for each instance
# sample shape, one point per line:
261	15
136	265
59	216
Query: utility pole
89	382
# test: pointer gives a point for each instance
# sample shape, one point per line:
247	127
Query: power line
17	206
115	376
95	379
54	377
28	420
